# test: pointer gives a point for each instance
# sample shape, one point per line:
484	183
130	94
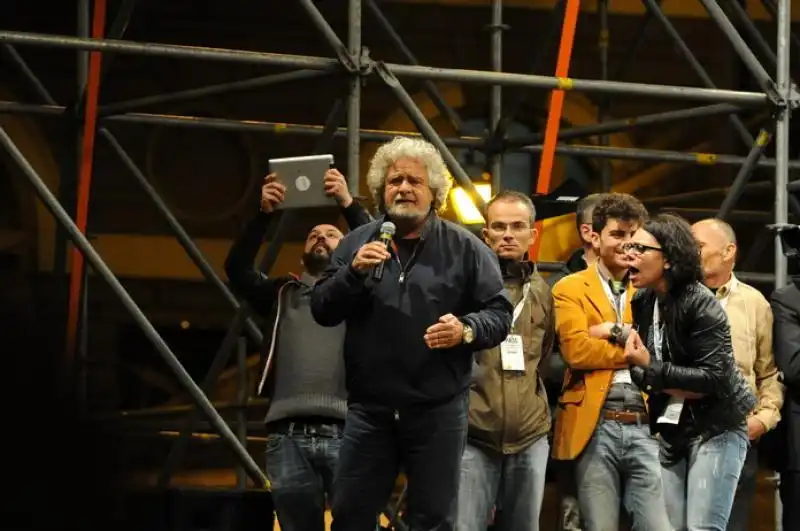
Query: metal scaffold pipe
401	71
782	146
581	131
99	266
373	135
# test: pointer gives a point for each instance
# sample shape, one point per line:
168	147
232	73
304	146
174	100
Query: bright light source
467	212
186	325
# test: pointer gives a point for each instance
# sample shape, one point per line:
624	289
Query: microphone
387	231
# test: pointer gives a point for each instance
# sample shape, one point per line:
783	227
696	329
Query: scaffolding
97	47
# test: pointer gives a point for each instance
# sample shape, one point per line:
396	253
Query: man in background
585	254
554	367
505	461
786	335
750	317
303	375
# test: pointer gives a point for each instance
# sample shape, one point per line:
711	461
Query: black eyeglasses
639	248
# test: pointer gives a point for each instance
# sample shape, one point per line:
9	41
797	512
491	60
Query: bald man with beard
750	318
303	371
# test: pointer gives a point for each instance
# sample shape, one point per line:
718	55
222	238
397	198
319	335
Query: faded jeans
514	483
621	463
300	469
699	488
745	493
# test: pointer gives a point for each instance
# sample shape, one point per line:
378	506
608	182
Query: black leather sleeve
708	341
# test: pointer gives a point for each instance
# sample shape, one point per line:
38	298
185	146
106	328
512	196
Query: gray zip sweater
303	374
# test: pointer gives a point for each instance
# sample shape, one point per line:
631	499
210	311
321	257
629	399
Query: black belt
332	428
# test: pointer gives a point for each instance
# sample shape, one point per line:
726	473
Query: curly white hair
439	179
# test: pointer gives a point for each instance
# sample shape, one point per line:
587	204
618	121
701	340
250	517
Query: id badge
511	353
622	376
672	413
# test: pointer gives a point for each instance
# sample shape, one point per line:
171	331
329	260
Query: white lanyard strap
518	310
657	331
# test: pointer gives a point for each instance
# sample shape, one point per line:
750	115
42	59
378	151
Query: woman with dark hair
681	356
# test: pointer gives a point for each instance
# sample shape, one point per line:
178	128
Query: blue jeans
301	469
745	493
621	464
515	483
426	442
699	488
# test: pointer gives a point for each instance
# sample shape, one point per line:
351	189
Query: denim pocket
274	442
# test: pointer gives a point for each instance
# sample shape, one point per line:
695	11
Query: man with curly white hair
410	340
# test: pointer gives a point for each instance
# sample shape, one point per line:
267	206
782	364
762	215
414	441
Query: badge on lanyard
672	413
622	376
512	355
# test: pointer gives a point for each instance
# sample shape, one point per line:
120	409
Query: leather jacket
697	357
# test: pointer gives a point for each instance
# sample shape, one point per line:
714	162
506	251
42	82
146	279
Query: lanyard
658	331
518	310
617	301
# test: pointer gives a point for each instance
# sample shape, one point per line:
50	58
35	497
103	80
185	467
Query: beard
406	214
315	263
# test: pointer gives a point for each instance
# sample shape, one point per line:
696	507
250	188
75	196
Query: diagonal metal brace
423	125
742	49
350	63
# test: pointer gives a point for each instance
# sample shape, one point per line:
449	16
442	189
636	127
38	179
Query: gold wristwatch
468	335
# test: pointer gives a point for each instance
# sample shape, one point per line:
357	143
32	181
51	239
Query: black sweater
387	362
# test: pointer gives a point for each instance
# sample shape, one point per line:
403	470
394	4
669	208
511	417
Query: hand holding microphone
387	231
374	254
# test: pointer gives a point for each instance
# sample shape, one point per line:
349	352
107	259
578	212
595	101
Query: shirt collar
727	288
516	270
617	286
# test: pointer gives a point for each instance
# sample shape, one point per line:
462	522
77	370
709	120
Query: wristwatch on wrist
615	335
468	335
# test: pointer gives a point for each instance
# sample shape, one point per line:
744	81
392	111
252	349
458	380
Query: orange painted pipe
556	108
84	182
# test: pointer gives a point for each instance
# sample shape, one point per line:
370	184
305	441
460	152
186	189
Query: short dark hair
584	209
615	205
674	235
513	195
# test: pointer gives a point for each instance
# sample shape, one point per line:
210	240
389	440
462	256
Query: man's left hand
447	333
336	186
755	428
601	331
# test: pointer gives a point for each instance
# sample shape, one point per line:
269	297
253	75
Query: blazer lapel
597	295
